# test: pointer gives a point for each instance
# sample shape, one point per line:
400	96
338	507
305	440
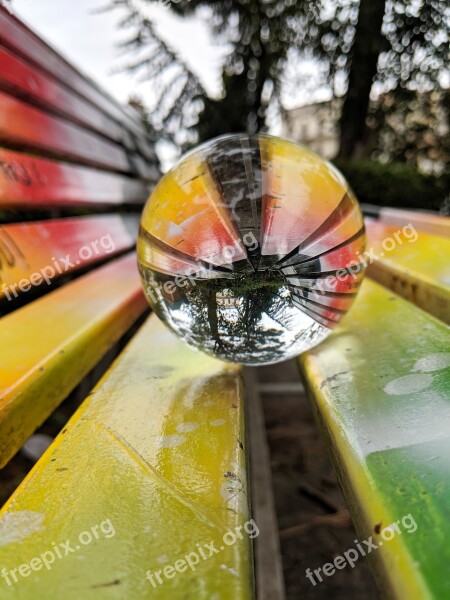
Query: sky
89	41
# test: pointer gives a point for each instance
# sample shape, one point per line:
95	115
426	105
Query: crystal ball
251	248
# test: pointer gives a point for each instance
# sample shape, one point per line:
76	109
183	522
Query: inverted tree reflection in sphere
250	248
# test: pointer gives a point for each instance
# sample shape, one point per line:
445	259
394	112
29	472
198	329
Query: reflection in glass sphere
250	248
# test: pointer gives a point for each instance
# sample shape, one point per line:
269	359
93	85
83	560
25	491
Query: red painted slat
29	181
17	36
17	77
35	254
22	124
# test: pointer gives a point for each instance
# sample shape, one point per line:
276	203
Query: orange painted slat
424	221
34	254
24	125
296	183
31	181
54	342
413	264
199	229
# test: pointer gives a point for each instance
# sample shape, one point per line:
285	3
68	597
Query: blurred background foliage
384	61
396	184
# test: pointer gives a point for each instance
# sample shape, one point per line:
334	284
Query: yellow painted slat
381	387
50	345
158	449
416	268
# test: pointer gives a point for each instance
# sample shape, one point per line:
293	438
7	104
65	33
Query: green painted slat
381	387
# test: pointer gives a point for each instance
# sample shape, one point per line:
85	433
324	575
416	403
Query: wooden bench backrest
64	141
64	144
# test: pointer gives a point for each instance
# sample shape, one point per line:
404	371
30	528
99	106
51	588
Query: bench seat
424	221
54	342
418	271
380	385
159	449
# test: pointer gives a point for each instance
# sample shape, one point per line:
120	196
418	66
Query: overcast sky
88	40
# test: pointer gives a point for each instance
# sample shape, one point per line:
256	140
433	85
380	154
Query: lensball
250	248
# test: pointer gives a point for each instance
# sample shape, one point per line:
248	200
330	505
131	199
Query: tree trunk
367	46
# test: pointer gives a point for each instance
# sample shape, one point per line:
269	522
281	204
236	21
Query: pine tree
398	47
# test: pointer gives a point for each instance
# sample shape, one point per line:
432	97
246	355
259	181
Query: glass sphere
250	248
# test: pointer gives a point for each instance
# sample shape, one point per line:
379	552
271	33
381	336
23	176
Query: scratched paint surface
52	343
27	248
158	449
418	270
381	384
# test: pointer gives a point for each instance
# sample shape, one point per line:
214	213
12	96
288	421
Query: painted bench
145	492
152	467
380	386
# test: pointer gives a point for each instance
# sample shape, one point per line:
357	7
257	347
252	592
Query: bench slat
23	125
16	36
52	343
158	449
19	78
428	222
418	271
57	247
38	182
380	384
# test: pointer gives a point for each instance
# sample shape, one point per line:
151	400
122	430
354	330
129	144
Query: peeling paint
17	526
